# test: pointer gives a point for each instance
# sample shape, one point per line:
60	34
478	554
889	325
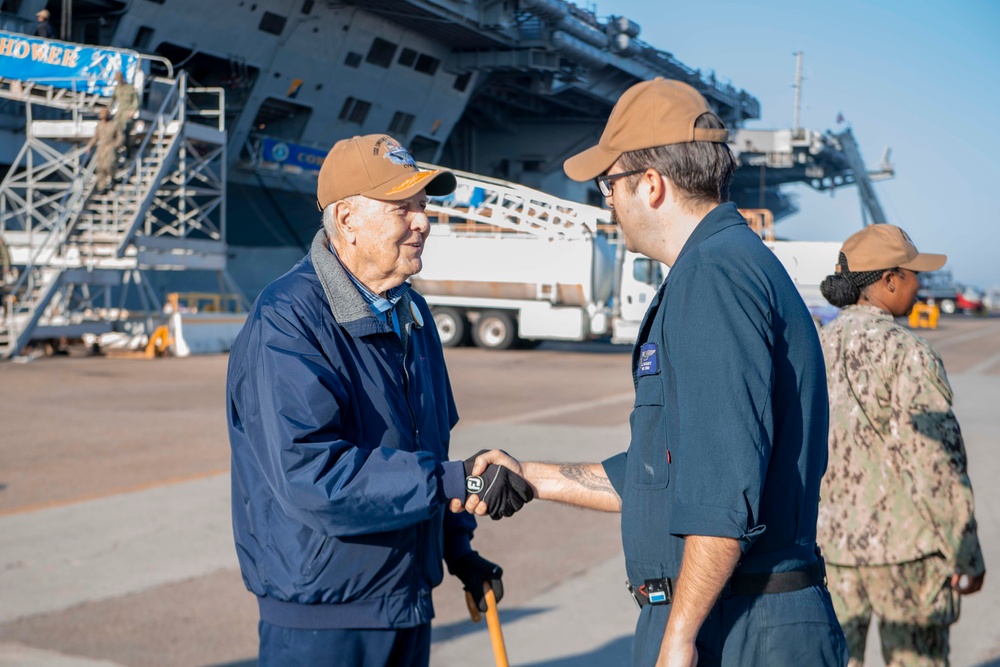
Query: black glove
503	491
472	569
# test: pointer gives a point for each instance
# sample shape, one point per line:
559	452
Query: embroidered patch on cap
648	363
394	152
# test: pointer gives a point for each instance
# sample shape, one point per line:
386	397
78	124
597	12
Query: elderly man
719	487
340	410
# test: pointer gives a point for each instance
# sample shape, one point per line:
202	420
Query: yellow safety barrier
924	316
158	346
205	302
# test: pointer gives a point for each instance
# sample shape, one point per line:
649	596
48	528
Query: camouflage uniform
896	512
127	102
107	137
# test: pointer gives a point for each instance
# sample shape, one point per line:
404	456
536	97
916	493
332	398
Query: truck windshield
647	271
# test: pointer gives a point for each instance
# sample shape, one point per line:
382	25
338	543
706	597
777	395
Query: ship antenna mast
798	92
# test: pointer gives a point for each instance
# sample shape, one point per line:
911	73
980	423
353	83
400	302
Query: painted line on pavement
170	481
983	365
945	343
557	411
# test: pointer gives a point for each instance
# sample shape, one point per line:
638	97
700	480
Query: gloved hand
472	569
503	491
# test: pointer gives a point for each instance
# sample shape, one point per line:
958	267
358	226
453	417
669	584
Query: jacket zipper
406	384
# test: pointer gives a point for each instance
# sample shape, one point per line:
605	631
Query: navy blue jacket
729	428
339	432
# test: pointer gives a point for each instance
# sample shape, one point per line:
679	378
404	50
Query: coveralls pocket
799	628
647	458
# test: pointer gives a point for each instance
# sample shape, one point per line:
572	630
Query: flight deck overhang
556	38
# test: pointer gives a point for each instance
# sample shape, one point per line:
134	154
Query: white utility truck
507	266
808	263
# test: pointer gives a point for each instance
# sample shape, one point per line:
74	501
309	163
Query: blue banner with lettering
64	64
284	152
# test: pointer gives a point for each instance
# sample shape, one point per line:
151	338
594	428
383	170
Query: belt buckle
632	592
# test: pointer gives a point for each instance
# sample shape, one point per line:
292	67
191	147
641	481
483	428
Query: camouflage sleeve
929	449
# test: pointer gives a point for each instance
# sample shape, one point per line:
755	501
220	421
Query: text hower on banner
64	64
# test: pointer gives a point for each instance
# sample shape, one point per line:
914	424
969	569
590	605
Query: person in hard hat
43	28
340	412
896	517
107	138
719	488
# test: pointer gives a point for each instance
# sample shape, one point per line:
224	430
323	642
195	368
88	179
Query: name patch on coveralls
648	363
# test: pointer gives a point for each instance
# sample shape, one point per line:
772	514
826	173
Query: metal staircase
75	248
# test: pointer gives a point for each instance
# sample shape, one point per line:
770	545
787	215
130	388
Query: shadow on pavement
252	662
615	652
443	633
589	347
995	662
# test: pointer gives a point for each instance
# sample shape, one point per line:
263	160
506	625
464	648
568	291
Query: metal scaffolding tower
80	253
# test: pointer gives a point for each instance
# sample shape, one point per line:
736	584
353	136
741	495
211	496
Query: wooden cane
492	621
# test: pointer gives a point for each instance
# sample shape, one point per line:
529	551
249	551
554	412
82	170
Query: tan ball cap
649	114
879	247
376	166
43	14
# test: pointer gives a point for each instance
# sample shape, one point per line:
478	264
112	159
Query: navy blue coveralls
729	439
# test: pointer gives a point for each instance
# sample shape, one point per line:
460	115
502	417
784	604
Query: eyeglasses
606	182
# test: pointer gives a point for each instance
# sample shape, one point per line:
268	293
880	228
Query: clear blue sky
920	77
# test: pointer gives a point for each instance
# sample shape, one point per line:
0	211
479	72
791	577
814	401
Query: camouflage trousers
913	601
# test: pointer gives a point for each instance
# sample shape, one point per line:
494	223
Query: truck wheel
495	330
948	306
452	326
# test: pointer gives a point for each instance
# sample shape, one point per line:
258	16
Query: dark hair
701	170
844	288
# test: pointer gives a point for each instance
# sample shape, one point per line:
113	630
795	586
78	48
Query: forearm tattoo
582	474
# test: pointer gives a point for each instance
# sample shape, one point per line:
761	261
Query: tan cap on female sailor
882	246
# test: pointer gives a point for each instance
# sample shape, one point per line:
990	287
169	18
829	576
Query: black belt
660	591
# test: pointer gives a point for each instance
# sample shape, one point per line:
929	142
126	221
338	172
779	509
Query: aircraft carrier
502	88
241	101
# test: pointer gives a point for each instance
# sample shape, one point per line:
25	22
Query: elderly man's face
390	239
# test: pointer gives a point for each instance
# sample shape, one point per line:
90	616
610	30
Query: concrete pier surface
115	538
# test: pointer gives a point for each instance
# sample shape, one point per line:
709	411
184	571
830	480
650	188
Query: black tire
948	306
495	330
452	326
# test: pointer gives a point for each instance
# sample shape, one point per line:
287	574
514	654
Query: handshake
496	488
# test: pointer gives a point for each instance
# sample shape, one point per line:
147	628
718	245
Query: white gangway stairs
72	246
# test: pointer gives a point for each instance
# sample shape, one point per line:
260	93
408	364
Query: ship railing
14	23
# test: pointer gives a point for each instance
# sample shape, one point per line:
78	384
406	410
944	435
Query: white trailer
808	263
